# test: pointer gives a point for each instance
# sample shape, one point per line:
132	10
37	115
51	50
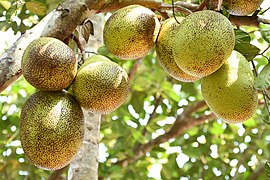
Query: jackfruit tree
134	89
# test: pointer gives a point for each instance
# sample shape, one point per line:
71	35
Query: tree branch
257	173
248	20
183	122
134	68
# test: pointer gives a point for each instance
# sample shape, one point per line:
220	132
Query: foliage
212	150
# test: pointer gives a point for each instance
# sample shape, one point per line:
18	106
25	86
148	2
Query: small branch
257	173
192	7
134	69
185	8
78	43
264	93
265	10
56	175
182	123
264	51
203	5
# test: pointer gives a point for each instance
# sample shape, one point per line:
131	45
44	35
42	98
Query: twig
174	12
265	10
56	175
264	50
78	43
174	7
134	68
264	94
257	173
203	5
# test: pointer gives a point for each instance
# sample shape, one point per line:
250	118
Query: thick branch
183	122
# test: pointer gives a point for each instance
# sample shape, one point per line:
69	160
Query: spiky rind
229	92
203	42
239	7
49	64
131	32
52	129
101	86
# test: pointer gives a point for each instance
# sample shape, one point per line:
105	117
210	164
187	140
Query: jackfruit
100	86
131	32
239	7
51	129
49	64
164	48
229	92
203	42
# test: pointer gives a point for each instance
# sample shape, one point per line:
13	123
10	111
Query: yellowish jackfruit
229	92
239	7
131	32
49	64
51	129
100	86
203	42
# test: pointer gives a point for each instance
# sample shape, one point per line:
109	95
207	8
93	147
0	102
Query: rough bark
85	164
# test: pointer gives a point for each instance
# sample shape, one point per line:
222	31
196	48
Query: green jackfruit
49	64
203	42
52	129
229	92
131	32
101	85
239	7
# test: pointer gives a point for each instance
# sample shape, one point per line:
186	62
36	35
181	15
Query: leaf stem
264	94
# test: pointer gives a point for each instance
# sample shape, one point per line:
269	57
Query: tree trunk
85	164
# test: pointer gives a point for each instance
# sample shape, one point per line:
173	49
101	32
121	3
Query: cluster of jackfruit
197	47
52	121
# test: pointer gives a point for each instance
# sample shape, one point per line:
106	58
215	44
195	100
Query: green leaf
37	8
11	11
267	169
216	129
5	4
169	92
241	36
137	100
248	50
265	31
262	82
